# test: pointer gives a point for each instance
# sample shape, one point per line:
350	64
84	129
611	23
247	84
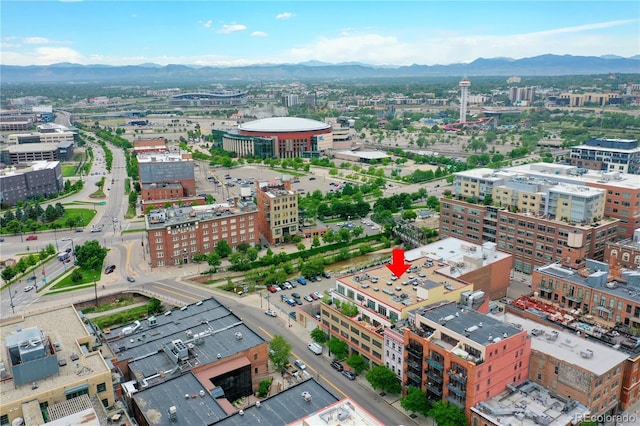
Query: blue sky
257	32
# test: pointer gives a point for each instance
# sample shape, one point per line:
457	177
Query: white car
28	288
300	364
287	285
271	313
318	294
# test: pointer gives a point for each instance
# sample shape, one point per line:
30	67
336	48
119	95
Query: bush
76	276
263	389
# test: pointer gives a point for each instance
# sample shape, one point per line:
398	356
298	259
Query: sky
236	33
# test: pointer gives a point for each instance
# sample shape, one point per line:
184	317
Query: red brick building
176	234
625	253
462	356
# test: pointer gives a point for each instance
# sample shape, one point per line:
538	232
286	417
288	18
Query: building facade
292	136
225	98
176	234
625	253
168	168
41	178
278	210
27	153
609	155
41	137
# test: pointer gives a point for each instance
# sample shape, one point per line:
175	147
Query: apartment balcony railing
415	351
434	389
435	364
456	390
414	365
455	401
414	377
460	378
433	376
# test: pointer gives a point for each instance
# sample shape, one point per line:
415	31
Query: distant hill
544	65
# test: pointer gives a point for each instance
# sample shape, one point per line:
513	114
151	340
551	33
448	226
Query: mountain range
543	65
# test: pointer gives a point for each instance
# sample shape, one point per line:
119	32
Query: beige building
278	210
44	364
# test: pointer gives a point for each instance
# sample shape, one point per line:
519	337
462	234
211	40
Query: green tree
409	215
316	242
213	259
446	414
318	335
416	401
381	377
357	363
300	246
223	249
279	351
338	347
8	273
345	235
154	306
357	231
90	255
76	276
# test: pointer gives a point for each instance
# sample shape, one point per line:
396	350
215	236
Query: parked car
337	365
131	279
318	294
271	313
298	301
300	364
32	237
301	281
292	283
291	302
315	348
313	296
295	295
286	285
109	269
325	274
272	289
317	278
348	374
308	298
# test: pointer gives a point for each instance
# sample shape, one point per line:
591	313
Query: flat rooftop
480	328
222	333
286	407
162	157
530	404
194	404
342	413
566	346
161	218
78	363
572	174
37	147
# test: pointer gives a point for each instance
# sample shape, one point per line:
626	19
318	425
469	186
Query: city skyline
370	32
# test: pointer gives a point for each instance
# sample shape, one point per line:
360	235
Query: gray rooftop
222	333
284	407
160	218
155	401
458	320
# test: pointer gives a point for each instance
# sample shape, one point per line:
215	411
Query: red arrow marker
397	266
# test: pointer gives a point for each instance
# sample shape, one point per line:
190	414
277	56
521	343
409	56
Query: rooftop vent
241	412
238	335
306	396
258	404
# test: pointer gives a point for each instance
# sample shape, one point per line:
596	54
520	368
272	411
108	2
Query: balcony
573	298
415	351
416	378
460	378
434	377
414	365
434	389
455	401
435	364
456	390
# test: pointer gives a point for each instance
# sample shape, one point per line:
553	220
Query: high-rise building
464	98
607	155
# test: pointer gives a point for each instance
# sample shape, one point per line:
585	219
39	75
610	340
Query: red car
32	237
272	289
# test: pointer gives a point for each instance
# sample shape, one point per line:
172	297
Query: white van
315	348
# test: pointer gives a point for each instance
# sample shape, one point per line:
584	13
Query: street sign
102	203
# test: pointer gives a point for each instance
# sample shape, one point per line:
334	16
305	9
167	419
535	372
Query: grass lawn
123	317
84	215
122	301
88	277
68	170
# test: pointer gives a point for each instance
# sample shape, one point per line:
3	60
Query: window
102	387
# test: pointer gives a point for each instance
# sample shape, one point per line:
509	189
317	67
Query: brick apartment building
176	234
625	253
448	270
601	294
278	210
462	356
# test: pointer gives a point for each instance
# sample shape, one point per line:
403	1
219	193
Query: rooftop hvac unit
241	412
238	335
306	396
173	412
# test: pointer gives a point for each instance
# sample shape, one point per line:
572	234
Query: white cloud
285	15
134	16
231	28
259	34
36	40
208	24
43	56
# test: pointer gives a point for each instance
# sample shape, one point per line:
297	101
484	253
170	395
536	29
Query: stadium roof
284	124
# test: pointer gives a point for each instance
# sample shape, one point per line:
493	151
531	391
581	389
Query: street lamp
95	287
11	299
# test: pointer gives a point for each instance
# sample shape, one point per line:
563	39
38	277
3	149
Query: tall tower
464	97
